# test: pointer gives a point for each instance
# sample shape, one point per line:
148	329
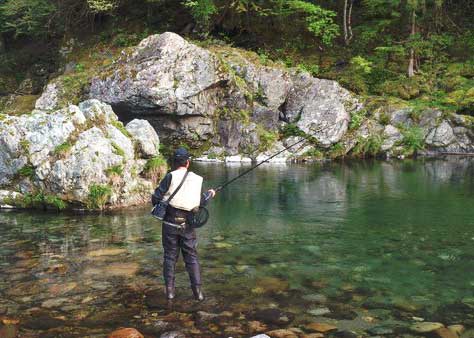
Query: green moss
119	125
25	146
117	150
98	196
314	153
114	170
235	115
21	104
292	129
63	149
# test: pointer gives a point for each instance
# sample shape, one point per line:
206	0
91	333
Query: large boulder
64	153
219	97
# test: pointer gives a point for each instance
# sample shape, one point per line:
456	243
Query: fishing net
198	217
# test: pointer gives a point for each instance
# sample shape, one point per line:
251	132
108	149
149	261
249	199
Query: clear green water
393	235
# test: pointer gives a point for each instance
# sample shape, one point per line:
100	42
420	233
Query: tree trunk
411	63
347	21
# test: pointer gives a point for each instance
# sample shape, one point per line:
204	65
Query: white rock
146	137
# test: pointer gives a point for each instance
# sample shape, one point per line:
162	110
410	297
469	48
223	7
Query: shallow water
384	240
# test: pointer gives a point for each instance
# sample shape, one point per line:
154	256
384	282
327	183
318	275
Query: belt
177	226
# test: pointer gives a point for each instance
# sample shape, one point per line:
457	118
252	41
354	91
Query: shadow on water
332	242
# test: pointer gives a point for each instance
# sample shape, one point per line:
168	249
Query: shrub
98	197
155	168
413	140
38	201
267	138
356	119
368	147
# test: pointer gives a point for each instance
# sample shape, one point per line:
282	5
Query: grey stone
391	136
441	136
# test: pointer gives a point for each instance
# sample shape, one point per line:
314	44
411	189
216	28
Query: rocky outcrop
219	98
79	154
226	105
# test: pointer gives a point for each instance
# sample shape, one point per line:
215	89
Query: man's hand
212	192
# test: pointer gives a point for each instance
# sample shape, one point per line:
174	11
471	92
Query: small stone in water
380	330
418	319
426	327
256	326
261	336
318	298
218	238
222	245
106	252
319	311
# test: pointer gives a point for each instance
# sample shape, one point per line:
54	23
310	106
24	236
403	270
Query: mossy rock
462	99
21	104
405	88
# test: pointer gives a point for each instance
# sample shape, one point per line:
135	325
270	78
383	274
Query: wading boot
170	292
197	292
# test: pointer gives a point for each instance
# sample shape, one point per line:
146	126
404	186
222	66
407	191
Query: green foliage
319	21
267	138
313	69
26	171
26	17
413	140
356	119
202	11
369	146
38	200
98	196
337	150
102	6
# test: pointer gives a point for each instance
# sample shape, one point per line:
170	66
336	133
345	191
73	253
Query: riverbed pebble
425	327
125	333
457	329
444	333
321	327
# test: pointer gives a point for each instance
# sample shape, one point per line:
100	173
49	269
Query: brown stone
282	334
321	327
313	335
125	333
445	333
256	326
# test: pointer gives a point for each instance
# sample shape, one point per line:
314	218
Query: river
365	246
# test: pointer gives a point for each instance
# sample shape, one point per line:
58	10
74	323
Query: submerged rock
425	327
65	153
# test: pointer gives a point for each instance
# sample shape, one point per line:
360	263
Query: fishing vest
189	195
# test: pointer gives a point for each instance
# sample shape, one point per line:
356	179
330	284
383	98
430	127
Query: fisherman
177	235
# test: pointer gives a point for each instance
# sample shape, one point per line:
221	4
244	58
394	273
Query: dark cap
181	153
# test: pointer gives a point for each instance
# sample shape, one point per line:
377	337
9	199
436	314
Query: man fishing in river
182	189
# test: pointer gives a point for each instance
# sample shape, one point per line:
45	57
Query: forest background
420	51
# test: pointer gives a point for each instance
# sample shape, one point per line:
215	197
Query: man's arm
161	190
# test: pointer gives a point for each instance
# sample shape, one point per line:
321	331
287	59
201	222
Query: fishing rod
304	139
